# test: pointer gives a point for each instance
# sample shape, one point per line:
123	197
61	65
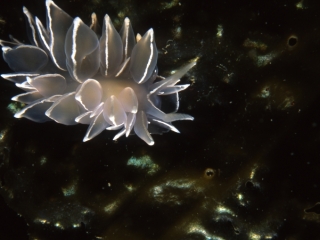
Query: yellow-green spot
145	163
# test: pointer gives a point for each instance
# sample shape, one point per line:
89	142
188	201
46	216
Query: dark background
255	96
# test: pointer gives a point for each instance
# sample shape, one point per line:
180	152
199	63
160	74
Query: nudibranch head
71	74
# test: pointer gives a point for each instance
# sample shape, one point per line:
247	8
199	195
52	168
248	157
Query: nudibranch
73	73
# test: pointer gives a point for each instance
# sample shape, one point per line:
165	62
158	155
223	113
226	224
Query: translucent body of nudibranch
72	75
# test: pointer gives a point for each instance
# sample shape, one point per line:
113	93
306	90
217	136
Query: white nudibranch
71	74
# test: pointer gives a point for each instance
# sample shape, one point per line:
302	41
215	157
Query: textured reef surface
246	168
